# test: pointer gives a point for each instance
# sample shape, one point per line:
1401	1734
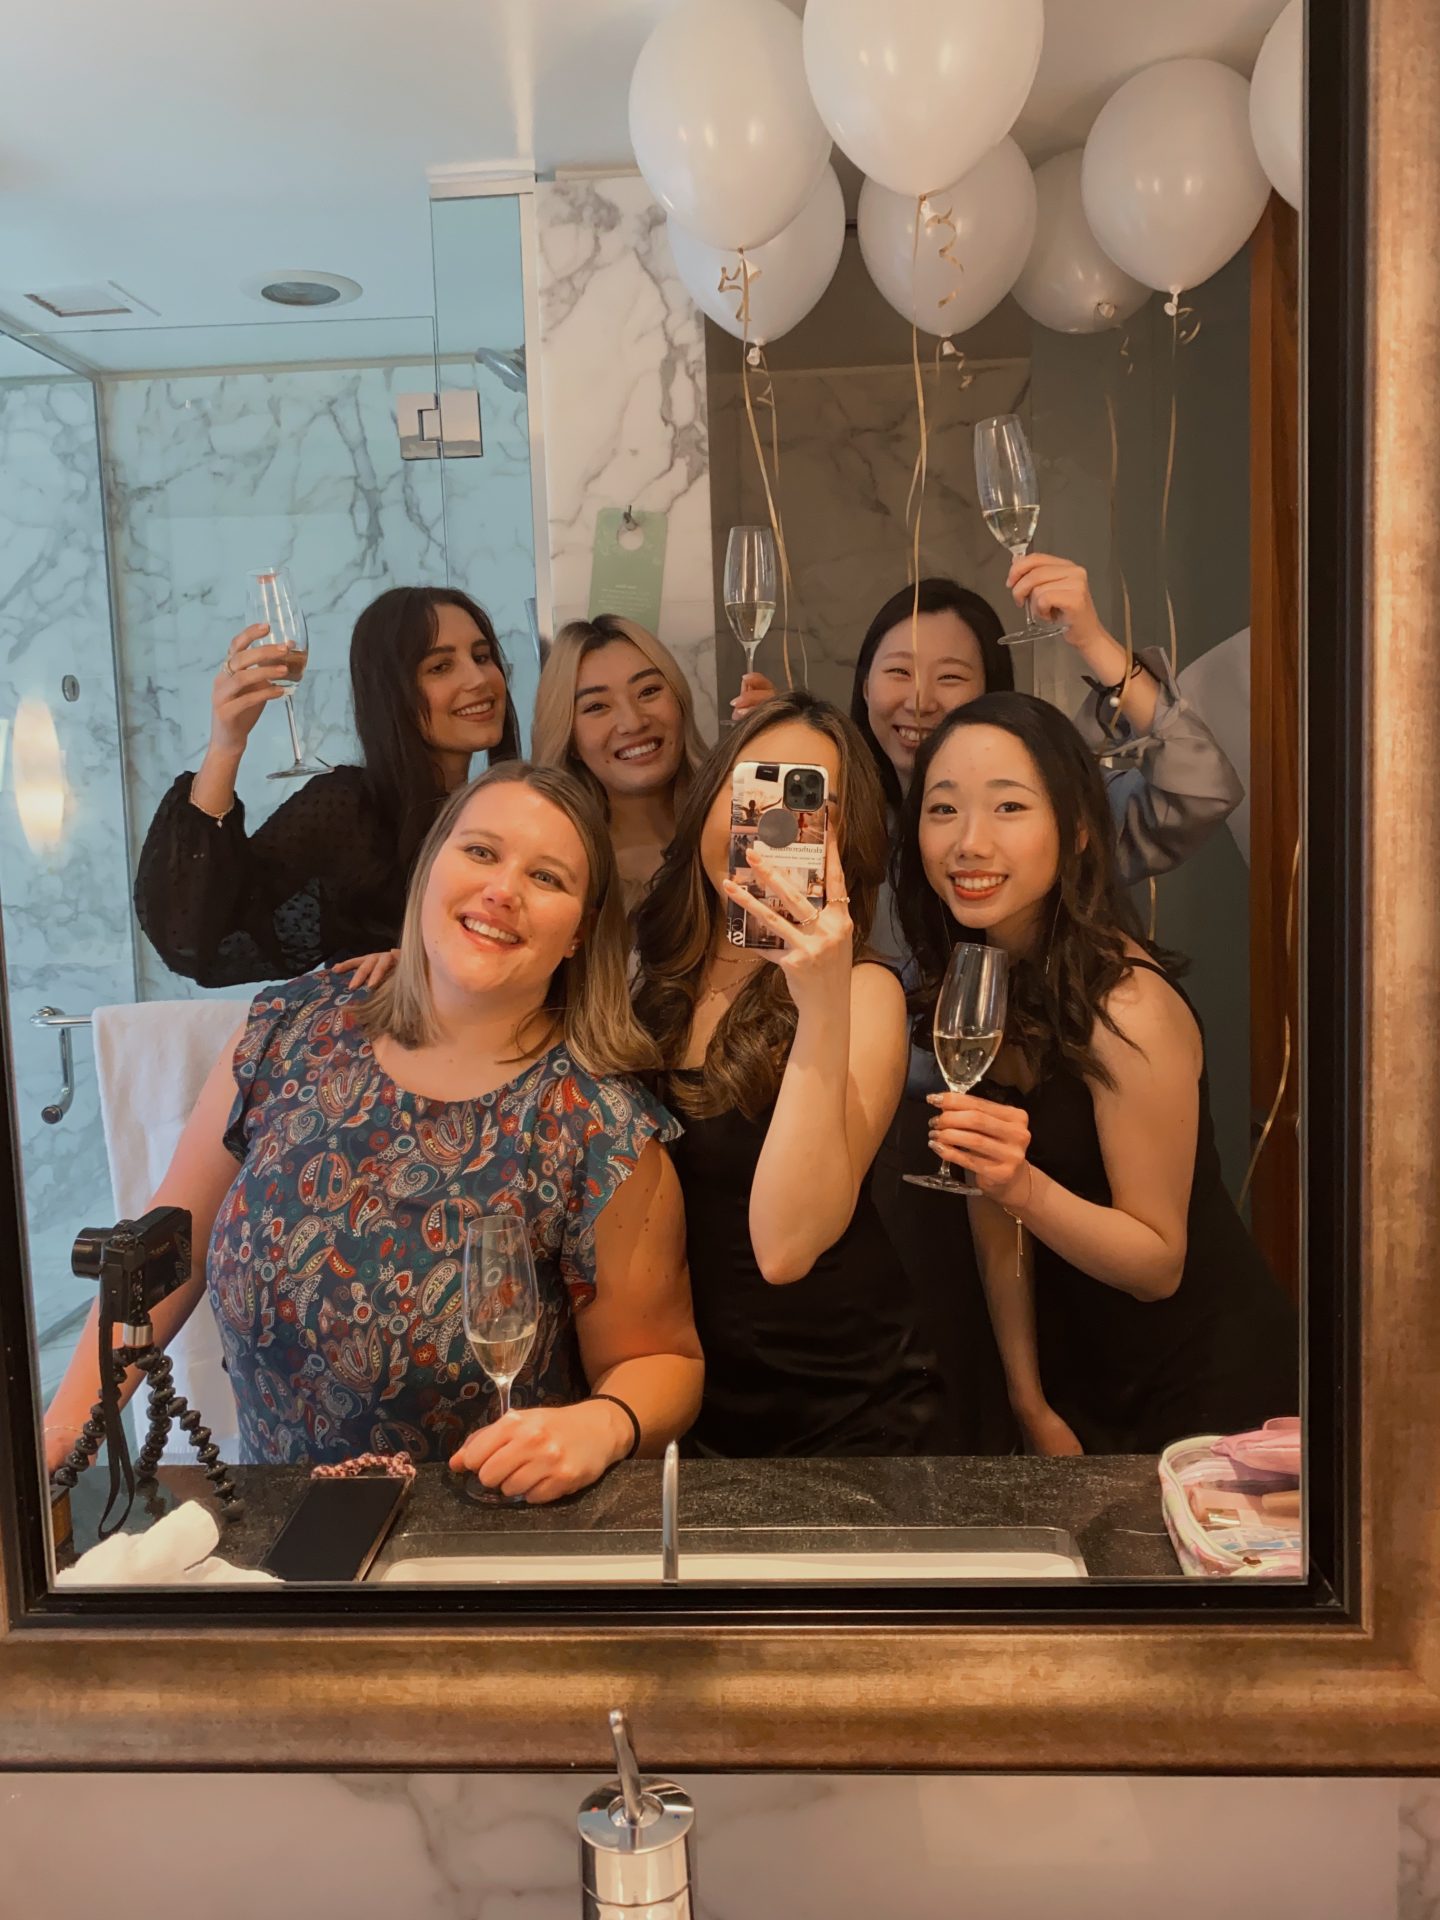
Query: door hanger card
628	569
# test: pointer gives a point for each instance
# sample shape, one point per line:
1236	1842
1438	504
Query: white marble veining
1419	1875
802	1846
625	407
66	906
848	438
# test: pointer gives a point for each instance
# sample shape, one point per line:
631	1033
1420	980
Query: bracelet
399	1466
218	818
629	1413
1137	667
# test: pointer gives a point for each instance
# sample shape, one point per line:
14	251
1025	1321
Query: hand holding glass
501	1306
1009	496
969	1027
749	586
272	603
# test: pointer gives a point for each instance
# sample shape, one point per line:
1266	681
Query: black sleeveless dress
1220	1355
831	1363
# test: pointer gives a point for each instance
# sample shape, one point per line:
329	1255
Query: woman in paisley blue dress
487	1075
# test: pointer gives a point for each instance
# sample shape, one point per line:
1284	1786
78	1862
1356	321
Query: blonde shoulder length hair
554	730
588	1003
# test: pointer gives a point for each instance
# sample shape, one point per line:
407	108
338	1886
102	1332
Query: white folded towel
151	1061
177	1551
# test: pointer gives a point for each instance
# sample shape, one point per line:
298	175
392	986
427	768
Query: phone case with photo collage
779	806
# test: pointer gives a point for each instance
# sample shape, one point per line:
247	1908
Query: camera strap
117	1447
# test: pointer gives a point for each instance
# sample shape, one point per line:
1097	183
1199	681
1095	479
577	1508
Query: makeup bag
1214	1491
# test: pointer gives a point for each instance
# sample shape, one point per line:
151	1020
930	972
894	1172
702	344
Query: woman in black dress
1130	1306
785	1065
323	879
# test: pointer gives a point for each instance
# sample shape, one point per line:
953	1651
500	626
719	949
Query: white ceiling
183	150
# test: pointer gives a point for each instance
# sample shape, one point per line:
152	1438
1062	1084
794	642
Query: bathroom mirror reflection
837	744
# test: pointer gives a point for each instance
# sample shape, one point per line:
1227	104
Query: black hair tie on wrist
629	1413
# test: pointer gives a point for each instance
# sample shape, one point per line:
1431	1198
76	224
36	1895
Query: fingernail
933	1099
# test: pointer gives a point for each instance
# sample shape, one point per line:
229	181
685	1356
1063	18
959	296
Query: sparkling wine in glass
750	586
502	1308
969	1026
1009	496
272	603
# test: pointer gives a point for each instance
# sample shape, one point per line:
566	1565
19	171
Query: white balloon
916	91
788	273
722	123
992	210
1277	104
1171	183
1069	282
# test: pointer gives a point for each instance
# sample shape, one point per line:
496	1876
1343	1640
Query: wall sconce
40	790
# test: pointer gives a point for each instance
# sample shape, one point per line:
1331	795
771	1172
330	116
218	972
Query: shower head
508	367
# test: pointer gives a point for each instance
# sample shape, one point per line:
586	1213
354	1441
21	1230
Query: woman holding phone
784	1063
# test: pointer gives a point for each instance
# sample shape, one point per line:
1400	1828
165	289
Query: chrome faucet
635	1843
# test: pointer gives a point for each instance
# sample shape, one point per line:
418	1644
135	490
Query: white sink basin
958	1555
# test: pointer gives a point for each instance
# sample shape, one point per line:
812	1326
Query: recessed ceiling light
301	288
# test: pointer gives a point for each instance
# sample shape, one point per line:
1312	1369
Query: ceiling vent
104	301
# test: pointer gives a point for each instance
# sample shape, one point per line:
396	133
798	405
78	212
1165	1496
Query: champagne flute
1009	496
750	586
969	1026
501	1306
273	604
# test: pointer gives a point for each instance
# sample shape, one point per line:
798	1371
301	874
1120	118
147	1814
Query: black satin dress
830	1364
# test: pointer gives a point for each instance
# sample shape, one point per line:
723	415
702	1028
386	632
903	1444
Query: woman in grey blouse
1167	777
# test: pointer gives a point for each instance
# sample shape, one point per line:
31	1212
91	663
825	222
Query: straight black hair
391	638
936	595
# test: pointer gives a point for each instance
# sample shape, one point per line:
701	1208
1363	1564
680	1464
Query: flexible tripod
167	1408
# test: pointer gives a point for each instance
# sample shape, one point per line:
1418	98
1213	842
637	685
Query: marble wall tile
810	1847
848	438
625	405
1418	1891
66	905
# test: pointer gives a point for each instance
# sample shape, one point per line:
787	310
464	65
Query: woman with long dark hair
1130	1306
1165	797
323	879
785	1065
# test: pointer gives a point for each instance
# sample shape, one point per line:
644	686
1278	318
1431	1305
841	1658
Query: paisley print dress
335	1261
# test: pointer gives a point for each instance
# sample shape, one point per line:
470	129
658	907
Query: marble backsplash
848	438
805	1846
67	924
625	403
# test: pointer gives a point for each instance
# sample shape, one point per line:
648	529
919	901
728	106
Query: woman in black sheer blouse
323	879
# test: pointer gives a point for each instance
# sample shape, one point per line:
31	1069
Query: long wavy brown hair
680	922
1058	992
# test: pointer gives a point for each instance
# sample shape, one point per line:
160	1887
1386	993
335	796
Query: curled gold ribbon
1286	1049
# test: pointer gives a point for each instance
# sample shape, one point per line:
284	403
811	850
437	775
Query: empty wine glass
1009	496
969	1026
750	586
501	1307
272	603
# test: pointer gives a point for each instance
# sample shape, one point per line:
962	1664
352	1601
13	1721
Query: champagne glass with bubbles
272	603
750	586
502	1307
969	1026
1009	496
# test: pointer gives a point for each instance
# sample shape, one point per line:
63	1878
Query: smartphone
337	1529
781	808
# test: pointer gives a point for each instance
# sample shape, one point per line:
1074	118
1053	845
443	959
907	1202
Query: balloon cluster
734	104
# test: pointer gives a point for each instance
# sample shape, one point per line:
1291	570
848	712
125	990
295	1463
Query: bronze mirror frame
1343	1674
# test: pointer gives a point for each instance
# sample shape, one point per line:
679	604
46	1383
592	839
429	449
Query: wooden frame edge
1310	1698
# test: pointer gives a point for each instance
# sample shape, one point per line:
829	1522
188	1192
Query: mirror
903	1389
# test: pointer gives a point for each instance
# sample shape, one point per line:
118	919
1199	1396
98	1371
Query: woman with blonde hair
614	708
786	1064
487	1075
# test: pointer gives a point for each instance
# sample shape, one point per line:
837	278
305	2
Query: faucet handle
635	1843
631	1788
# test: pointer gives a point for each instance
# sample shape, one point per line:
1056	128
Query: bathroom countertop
1109	1504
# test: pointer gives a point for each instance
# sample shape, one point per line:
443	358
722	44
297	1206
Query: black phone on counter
338	1528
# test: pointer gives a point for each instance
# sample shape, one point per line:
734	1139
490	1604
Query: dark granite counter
1108	1504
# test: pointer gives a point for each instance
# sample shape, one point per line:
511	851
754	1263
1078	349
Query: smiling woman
324	877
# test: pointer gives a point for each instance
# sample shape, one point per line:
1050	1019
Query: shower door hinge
429	427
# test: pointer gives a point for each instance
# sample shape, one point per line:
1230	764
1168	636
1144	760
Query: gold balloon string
1285	1036
736	280
915	499
1112	420
1178	337
947	350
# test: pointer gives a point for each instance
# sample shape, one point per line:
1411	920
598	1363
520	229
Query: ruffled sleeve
277	1019
609	1123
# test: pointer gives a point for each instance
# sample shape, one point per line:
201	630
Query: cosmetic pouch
1264	1549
